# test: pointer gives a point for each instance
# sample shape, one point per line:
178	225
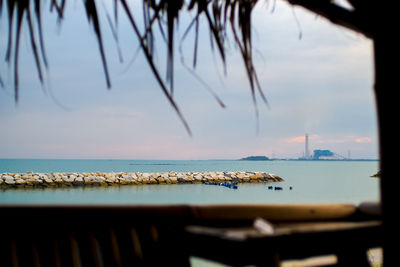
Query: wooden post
388	105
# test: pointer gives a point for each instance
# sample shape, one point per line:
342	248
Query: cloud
297	139
301	139
363	140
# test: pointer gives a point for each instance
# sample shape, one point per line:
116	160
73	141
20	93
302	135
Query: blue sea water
311	182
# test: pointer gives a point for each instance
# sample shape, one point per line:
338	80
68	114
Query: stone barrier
31	179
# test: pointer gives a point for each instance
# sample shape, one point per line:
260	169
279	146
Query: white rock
9	180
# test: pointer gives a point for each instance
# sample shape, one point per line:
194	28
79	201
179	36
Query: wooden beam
351	19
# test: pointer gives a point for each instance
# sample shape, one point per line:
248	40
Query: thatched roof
162	15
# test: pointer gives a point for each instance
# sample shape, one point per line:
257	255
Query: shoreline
75	179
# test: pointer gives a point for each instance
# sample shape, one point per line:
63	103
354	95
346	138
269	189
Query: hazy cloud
363	140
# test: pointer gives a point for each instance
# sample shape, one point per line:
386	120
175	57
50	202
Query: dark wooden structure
168	235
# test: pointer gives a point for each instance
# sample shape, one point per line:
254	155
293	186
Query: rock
204	178
122	181
231	175
256	176
181	180
266	176
111	179
160	180
20	181
136	182
9	180
276	178
79	181
42	176
89	180
58	180
240	175
126	177
100	179
223	178
228	178
122	178
189	179
198	177
173	180
146	175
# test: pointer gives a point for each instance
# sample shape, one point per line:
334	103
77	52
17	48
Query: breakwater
31	179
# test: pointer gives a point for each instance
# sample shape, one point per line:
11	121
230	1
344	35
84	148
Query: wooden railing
167	235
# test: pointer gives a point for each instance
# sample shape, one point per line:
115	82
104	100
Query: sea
305	182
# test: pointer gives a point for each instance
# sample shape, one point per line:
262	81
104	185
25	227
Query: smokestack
307	154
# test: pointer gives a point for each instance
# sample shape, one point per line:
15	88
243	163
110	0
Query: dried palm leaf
221	16
91	12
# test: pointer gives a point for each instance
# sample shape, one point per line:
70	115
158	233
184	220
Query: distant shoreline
284	159
256	158
331	159
269	159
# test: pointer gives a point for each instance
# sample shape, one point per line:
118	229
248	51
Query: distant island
255	158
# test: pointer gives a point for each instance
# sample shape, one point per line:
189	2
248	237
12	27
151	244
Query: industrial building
323	154
318	154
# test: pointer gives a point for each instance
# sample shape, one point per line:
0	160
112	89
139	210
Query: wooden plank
243	233
273	212
181	214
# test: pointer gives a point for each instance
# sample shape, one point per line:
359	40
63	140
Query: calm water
312	182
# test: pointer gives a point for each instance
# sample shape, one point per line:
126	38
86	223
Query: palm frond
91	12
223	18
148	54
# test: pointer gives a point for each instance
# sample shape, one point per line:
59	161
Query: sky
317	77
